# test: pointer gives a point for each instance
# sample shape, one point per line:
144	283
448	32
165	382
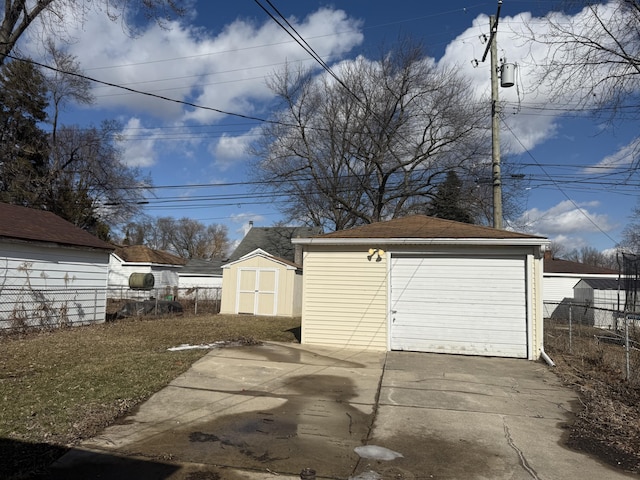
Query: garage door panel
459	305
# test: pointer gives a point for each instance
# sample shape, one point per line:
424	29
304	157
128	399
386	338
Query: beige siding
261	286
345	298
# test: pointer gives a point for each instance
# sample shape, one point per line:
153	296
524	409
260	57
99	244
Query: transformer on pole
508	80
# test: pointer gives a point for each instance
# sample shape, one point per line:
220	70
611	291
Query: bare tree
90	174
594	58
185	237
372	146
65	85
54	15
592	256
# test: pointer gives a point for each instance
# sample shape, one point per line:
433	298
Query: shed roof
258	252
423	227
144	254
600	283
274	240
28	224
557	265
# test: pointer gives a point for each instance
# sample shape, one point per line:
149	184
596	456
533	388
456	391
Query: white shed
425	284
598	301
52	273
560	278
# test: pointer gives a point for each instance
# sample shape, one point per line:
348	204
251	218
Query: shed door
257	291
463	305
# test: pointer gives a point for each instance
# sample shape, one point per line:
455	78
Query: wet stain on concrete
315	427
434	457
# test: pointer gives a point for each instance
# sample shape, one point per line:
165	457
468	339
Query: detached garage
425	284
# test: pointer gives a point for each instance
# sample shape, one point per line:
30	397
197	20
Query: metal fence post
626	346
570	328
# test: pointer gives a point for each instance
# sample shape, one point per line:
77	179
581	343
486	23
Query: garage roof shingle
28	224
421	226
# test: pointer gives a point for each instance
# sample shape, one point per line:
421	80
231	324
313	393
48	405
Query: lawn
62	386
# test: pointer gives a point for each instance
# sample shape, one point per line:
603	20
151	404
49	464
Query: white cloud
567	218
229	151
224	70
138	145
524	122
243	221
622	159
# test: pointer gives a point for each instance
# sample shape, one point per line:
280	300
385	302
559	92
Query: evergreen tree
448	203
24	146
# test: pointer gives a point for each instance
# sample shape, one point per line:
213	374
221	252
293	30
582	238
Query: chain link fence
193	300
607	339
27	308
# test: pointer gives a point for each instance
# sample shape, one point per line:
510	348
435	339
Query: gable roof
423	229
258	252
28	224
199	266
557	265
144	254
274	240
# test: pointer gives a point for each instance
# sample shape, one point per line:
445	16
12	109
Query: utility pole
506	81
495	125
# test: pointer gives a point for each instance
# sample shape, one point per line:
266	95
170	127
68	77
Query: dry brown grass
61	386
608	422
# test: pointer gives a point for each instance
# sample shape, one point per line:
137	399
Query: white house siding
165	278
45	284
345	298
200	286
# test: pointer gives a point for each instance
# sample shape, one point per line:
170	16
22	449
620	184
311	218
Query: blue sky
221	54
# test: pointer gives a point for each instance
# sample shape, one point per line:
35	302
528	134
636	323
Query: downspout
546	357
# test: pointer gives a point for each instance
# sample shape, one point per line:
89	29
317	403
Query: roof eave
424	241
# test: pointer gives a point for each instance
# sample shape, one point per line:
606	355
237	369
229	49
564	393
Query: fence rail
577	330
28	307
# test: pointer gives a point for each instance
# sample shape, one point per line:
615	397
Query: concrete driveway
273	410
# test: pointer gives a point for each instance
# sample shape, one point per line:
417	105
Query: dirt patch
607	423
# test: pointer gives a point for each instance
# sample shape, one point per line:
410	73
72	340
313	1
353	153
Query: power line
558	188
140	92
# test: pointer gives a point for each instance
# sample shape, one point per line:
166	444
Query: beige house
260	284
425	284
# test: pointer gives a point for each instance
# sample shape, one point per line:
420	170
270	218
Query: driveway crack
523	460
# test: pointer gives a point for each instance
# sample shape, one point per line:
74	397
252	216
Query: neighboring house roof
601	283
421	227
28	224
556	265
198	266
274	240
144	254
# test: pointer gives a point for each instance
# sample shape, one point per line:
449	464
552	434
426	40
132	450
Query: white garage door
464	305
